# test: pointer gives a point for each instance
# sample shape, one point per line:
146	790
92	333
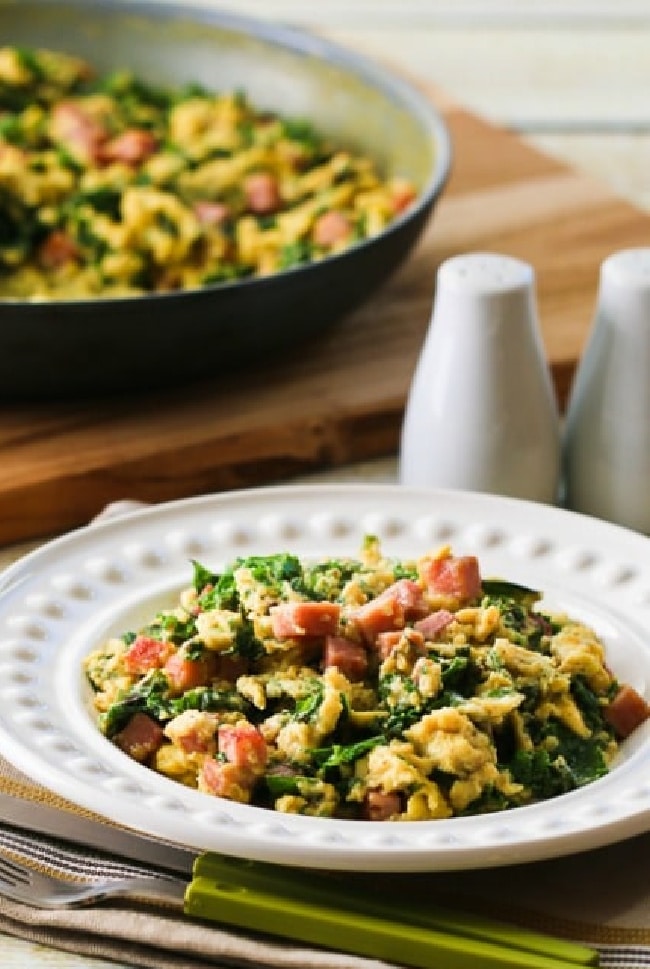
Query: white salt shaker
481	413
607	436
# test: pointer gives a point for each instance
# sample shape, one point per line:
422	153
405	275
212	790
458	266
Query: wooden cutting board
340	399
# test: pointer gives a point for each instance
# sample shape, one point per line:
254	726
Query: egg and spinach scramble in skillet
110	186
369	688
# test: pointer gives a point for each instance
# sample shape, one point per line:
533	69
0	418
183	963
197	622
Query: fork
48	872
22	883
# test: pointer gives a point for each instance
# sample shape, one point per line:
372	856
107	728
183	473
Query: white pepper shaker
481	413
606	459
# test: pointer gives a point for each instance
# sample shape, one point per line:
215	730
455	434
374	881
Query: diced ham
228	666
57	250
626	712
245	753
434	623
211	213
186	674
262	193
194	742
141	737
242	744
378	806
402	195
225	780
78	131
132	147
350	657
387	641
289	619
391	609
455	576
409	595
146	653
330	228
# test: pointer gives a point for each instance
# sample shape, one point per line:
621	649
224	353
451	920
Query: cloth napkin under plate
601	897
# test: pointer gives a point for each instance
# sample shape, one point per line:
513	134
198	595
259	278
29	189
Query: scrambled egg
369	688
112	187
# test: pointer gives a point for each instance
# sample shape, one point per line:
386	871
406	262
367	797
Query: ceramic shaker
481	414
606	457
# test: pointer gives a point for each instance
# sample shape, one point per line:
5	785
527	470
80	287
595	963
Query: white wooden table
570	75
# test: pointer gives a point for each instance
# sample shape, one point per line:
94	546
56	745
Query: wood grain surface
339	399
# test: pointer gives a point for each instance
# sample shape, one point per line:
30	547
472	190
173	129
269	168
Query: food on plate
364	688
112	187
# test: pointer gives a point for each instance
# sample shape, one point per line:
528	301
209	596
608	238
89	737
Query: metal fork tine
29	886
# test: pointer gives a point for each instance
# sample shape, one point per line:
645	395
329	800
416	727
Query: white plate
62	600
